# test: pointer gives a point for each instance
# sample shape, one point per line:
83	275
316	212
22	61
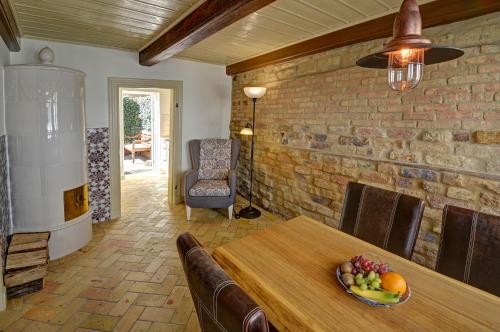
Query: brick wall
324	122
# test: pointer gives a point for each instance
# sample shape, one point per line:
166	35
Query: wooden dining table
289	270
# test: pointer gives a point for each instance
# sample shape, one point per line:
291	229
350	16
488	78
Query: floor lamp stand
250	212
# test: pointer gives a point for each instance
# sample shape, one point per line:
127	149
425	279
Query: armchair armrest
190	179
232	181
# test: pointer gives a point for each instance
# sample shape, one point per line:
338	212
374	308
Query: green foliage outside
132	121
145	109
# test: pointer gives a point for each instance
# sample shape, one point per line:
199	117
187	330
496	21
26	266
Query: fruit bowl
366	285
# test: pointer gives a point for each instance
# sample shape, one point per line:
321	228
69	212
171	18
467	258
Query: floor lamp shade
246	131
254	92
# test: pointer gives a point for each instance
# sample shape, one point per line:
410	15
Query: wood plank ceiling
286	22
123	24
133	24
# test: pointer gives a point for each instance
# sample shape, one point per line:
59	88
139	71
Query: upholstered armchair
212	181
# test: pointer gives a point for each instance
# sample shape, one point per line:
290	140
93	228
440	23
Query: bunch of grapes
364	266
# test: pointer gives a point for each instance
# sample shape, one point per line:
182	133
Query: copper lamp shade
407	34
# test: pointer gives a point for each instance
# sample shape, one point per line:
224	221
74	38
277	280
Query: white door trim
175	153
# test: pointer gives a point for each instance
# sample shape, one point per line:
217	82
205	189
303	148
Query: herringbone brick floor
129	277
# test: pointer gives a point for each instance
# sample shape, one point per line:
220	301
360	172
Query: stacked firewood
26	264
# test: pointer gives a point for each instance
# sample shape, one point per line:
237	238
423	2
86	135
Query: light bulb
405	68
246	131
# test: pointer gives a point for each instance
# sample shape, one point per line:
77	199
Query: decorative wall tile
4	199
99	173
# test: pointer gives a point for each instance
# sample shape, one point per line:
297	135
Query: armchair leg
188	213
230	211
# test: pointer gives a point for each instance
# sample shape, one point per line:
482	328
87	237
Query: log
24	276
28	241
26	259
27	288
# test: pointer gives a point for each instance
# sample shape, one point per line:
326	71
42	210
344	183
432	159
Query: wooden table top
289	270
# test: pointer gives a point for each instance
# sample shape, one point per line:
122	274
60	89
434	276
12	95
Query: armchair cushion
210	188
215	159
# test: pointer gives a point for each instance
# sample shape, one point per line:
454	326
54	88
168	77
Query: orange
393	282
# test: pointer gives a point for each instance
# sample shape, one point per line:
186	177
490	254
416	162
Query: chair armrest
190	179
134	136
232	181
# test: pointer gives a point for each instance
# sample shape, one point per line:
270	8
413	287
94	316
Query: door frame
175	151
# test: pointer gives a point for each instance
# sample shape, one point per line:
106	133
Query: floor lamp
255	93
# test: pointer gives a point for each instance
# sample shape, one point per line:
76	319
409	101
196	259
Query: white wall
4	60
206	88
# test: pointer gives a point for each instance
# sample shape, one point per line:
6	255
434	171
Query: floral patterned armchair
212	181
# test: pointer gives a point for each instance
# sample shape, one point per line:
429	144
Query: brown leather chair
220	303
387	219
470	248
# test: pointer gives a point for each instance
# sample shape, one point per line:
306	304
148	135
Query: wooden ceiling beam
8	27
434	13
209	18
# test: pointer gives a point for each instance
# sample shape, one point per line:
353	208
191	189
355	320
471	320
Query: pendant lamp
406	53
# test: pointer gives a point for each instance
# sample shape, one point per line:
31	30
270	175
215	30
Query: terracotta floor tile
122	306
183	311
96	294
157	314
161	274
97	307
41	327
129	275
175	297
138	276
41	313
140	326
193	325
68	311
131	258
150	300
128	320
74	322
164	327
18	326
100	322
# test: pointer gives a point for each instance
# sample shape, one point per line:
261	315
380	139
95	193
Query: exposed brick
401	133
431	147
461	136
405	183
488	137
444	160
375	177
436	136
453	179
434	188
356	141
320	200
460	193
370	134
492	200
404	155
417	173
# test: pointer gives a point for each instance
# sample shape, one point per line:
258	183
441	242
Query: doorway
145	134
147	104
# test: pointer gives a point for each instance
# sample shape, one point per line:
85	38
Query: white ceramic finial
46	55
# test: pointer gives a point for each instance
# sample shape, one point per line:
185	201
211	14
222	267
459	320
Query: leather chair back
387	219
470	248
220	303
